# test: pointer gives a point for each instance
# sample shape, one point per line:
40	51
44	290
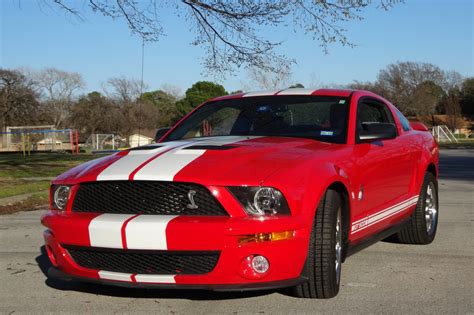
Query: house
136	140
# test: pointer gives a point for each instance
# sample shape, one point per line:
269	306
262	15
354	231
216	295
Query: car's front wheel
324	260
424	222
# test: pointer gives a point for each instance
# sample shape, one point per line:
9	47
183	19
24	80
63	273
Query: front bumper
185	233
55	273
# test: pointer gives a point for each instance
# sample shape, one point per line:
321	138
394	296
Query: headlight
261	200
60	196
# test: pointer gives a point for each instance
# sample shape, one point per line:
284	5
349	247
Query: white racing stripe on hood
121	169
169	164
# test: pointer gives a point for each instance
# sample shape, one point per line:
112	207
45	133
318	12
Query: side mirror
416	125
160	133
377	131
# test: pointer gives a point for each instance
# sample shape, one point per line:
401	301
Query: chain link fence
33	138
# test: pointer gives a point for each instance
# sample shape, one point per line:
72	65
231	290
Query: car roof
290	91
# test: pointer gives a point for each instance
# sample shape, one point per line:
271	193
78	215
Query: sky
35	34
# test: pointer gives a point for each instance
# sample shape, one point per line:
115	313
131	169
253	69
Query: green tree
426	98
452	108
197	94
165	103
94	113
467	98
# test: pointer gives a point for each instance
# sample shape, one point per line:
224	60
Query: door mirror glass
377	131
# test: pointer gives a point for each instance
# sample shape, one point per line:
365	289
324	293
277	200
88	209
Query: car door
385	169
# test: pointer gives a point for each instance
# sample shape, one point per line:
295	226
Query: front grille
144	261
146	197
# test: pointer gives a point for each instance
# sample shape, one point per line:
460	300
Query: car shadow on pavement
199	295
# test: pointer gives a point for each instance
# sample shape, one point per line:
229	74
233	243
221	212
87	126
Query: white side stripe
105	230
155	278
362	224
148	232
109	275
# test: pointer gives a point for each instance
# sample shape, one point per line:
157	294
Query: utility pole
140	118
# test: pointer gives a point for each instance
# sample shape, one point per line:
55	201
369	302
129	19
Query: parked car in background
249	191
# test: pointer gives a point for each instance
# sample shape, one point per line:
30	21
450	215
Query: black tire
419	231
320	265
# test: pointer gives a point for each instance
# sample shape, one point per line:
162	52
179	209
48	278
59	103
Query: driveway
384	278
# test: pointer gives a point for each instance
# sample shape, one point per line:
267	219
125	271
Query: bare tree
400	80
175	91
267	80
58	90
123	89
314	81
452	80
229	30
18	101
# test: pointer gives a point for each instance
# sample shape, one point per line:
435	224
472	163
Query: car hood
228	160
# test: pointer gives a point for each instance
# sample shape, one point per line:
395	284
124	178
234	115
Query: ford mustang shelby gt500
249	191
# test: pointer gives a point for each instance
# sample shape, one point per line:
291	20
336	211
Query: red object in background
416	125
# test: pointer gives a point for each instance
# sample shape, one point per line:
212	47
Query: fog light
260	264
254	267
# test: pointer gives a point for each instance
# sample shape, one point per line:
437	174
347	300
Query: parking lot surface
384	278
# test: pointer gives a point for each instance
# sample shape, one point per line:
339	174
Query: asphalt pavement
384	278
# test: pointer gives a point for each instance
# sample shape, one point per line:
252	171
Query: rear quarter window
403	121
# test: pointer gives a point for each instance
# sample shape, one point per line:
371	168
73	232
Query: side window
370	111
403	121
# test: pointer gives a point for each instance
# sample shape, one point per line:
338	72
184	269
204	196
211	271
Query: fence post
28	143
77	142
22	135
71	139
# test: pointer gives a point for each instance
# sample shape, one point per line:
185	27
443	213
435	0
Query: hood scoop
146	147
211	147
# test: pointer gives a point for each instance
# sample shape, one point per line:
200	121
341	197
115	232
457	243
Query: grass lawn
10	188
31	174
39	165
461	144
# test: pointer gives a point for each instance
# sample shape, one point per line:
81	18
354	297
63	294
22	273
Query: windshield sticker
263	109
342	102
326	133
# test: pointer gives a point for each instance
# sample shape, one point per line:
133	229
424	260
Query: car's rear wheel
324	260
424	222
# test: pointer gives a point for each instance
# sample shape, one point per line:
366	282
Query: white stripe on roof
297	91
261	93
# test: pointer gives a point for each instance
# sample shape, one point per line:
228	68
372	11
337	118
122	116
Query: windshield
317	117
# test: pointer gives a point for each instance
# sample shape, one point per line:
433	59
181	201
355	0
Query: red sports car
249	191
